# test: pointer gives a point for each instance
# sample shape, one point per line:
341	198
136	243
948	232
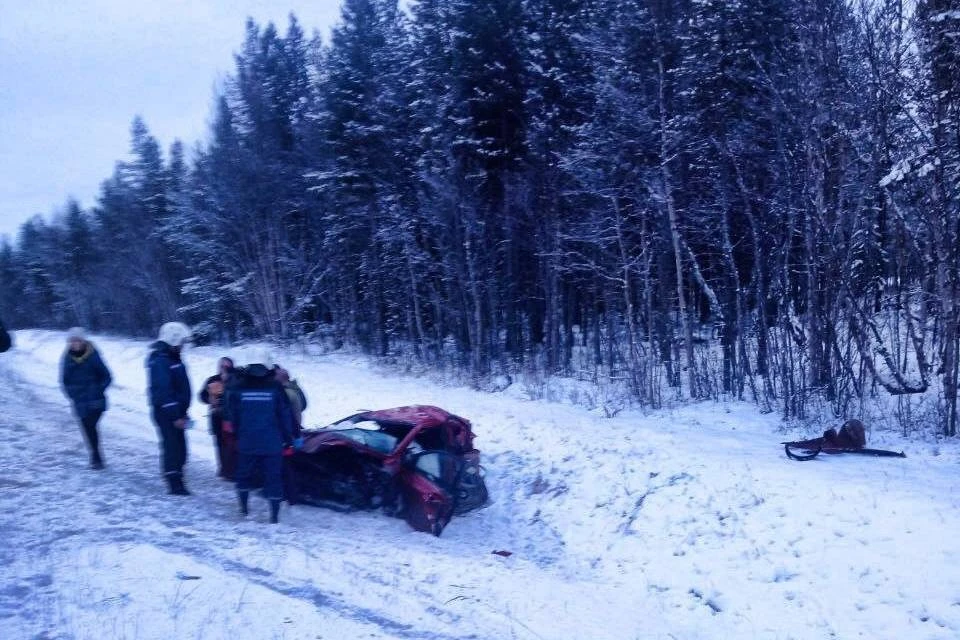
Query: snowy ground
684	524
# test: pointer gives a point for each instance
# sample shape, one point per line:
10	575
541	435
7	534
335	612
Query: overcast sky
74	73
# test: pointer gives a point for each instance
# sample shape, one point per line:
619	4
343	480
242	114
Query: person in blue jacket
5	341
84	379
169	390
259	415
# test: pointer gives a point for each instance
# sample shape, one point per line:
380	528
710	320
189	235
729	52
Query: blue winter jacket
169	385
258	409
84	378
5	341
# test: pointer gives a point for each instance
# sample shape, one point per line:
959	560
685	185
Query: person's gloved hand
298	443
287	451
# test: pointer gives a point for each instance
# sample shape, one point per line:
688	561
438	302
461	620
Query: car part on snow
851	438
810	454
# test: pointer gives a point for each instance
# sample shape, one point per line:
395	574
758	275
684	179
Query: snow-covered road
681	524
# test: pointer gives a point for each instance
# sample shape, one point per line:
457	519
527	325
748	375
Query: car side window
429	463
439	466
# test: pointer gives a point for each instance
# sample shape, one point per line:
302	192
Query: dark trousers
291	490
269	467
226	447
91	435
173	445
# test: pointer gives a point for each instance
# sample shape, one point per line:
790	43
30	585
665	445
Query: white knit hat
174	334
76	333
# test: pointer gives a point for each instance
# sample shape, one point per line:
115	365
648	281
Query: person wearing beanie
84	379
170	395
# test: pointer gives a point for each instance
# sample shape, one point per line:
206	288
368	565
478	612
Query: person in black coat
84	379
259	415
170	395
5	341
212	394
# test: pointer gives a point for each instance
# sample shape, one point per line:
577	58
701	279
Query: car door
428	483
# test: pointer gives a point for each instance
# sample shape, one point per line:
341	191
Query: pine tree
488	126
559	80
247	221
362	174
130	218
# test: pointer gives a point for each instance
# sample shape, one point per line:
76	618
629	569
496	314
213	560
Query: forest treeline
694	198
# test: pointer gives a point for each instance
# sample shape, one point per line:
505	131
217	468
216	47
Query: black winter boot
176	485
244	498
274	511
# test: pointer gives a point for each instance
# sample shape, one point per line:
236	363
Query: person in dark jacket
84	379
298	402
259	415
170	395
5	341
212	394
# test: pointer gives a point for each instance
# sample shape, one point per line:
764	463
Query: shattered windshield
377	440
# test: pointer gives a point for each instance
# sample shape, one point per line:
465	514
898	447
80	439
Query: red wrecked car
416	463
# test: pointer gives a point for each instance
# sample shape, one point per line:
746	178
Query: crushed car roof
420	414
